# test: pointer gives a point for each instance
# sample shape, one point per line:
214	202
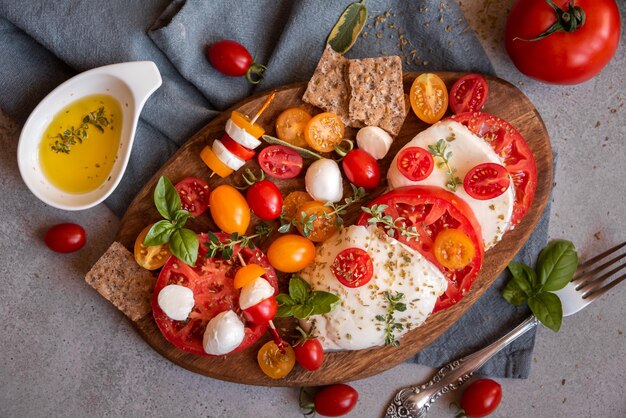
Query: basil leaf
524	276
547	308
160	233
166	198
513	293
557	264
323	302
181	216
347	29
299	289
184	245
285	300
284	311
302	311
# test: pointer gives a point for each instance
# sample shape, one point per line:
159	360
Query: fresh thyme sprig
395	305
72	136
227	247
377	216
440	149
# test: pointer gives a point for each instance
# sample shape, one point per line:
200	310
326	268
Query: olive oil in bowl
79	147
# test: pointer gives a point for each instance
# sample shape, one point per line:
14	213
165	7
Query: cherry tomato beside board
280	162
469	93
486	181
361	169
309	354
265	200
65	238
335	400
481	398
233	59
194	195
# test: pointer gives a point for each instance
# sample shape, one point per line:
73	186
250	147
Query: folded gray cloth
46	42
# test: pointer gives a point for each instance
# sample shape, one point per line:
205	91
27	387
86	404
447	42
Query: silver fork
589	283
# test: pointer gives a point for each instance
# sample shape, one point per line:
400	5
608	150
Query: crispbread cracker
328	88
376	93
121	281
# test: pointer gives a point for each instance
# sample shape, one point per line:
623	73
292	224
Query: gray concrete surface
65	351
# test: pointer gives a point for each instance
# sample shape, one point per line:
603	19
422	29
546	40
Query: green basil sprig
301	302
183	242
555	268
347	29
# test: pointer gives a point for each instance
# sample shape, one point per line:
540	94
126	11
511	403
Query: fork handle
415	401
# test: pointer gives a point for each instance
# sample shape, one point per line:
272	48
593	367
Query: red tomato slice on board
415	163
194	195
469	93
511	146
432	210
211	281
280	162
353	267
486	181
236	148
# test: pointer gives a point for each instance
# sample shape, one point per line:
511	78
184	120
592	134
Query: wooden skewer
264	106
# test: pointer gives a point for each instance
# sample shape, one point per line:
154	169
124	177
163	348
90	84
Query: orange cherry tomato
150	257
229	209
214	163
324	131
290	125
429	97
322	227
291	253
247	274
292	203
274	363
454	249
244	122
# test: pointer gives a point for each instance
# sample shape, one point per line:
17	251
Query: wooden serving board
504	100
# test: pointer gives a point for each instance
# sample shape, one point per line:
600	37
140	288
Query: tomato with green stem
233	59
331	401
309	351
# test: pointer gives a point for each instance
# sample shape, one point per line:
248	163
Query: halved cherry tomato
150	257
274	363
265	199
262	312
245	123
292	203
429	97
486	181
361	169
280	161
454	249
481	398
309	354
353	267
335	400
194	195
290	125
469	93
247	274
415	163
324	131
65	238
291	253
323	225
229	209
236	148
214	163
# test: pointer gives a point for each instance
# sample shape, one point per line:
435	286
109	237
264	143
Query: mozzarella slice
228	158
176	301
352	324
223	333
374	140
240	135
468	150
323	181
260	289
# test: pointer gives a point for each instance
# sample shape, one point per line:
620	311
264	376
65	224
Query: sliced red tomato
211	281
353	267
486	181
432	210
415	163
511	146
280	162
236	148
194	195
469	93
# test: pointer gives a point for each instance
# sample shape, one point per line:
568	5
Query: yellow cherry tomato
291	253
324	131
454	249
274	363
247	274
229	209
323	225
214	163
290	125
150	257
429	97
244	122
293	201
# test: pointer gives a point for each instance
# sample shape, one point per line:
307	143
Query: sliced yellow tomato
214	163
429	97
229	209
247	274
291	253
454	249
322	226
244	122
324	131
150	257
274	363
290	126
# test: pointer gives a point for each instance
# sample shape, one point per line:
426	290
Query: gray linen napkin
46	42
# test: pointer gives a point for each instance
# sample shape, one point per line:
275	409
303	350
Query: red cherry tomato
265	200
309	354
262	312
233	59
481	398
280	162
415	163
236	148
486	181
335	400
194	195
361	169
469	93
562	57
65	238
353	267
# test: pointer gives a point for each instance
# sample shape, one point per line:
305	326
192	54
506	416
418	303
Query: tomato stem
566	21
254	75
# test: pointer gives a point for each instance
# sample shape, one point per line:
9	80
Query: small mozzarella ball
374	140
176	301
260	289
323	181
223	333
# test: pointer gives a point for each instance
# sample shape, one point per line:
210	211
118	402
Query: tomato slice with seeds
211	281
415	163
236	148
194	195
486	181
429	97
290	126
433	210
454	249
324	131
353	267
280	162
469	93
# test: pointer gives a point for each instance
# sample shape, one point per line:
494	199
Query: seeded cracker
328	88
377	95
121	281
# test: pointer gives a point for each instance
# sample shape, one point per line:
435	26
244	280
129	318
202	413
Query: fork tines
591	276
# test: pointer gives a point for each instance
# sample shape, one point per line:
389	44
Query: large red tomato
591	32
